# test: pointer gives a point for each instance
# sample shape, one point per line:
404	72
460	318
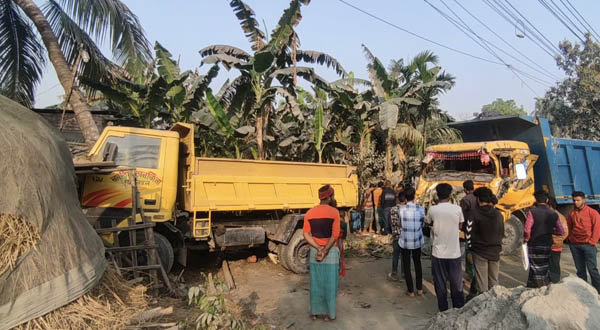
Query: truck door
114	190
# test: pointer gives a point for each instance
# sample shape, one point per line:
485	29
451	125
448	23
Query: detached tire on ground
513	235
296	253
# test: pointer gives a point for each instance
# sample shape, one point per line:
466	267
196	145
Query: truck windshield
460	169
136	151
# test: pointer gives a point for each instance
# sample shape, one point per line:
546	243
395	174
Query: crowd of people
392	211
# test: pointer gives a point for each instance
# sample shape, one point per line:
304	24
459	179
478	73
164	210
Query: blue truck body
563	166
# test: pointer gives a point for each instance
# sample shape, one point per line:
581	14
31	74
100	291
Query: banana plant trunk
63	71
389	165
259	135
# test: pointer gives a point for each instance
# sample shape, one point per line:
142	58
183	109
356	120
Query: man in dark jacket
485	239
468	203
388	200
541	223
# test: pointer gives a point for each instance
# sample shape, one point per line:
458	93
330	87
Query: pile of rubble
570	304
368	246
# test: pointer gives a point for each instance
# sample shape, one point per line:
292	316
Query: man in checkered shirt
411	241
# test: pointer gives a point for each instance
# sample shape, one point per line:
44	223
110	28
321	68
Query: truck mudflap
242	236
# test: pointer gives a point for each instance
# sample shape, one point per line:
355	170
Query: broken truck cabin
514	156
208	203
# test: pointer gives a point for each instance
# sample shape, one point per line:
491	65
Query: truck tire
513	235
281	248
165	251
297	253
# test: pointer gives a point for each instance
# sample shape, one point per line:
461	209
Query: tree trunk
259	134
63	71
424	134
389	165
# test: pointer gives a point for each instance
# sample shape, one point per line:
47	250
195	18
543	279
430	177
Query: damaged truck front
506	167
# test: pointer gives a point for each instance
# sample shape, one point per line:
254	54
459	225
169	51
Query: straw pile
112	304
368	246
17	236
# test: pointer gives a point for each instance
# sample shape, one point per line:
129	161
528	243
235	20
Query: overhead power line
417	35
463	28
578	15
559	18
547	73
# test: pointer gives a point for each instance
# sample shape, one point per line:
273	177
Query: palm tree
270	71
65	27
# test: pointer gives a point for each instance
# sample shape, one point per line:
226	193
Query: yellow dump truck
207	202
506	167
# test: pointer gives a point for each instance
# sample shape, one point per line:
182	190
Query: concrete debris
571	304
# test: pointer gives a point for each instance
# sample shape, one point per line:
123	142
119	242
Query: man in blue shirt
411	241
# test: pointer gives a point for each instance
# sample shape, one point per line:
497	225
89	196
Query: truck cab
506	167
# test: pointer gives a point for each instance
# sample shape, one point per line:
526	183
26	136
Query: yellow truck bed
244	185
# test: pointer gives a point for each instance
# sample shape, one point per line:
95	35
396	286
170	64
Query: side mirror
521	172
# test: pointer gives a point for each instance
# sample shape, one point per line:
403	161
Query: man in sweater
388	200
485	239
446	220
541	223
396	228
584	232
377	201
557	243
468	203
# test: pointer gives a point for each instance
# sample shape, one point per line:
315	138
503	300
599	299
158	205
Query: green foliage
157	92
78	25
501	107
210	301
573	105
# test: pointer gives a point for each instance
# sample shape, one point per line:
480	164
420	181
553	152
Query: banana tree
160	90
271	71
394	95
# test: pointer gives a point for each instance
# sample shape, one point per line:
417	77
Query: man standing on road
322	230
411	241
388	201
485	239
368	205
396	228
540	224
468	203
557	243
446	220
377	201
584	232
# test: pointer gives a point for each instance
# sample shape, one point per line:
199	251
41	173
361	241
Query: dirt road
367	300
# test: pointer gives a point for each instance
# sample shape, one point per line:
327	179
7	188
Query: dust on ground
271	297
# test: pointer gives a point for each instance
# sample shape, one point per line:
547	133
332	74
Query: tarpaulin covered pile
38	187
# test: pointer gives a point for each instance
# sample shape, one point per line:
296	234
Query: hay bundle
112	304
17	236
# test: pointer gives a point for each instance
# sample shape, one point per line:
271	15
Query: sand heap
570	304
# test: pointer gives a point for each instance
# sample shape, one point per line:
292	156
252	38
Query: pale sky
330	26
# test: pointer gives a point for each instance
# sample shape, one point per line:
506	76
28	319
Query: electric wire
587	24
551	10
482	44
547	73
535	40
417	35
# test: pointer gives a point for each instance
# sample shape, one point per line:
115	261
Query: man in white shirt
446	220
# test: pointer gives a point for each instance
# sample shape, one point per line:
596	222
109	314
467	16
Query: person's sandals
410	294
420	292
393	277
327	319
313	317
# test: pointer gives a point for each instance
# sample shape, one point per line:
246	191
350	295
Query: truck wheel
297	253
165	251
281	256
513	235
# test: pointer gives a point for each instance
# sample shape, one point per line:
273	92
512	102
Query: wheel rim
303	253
